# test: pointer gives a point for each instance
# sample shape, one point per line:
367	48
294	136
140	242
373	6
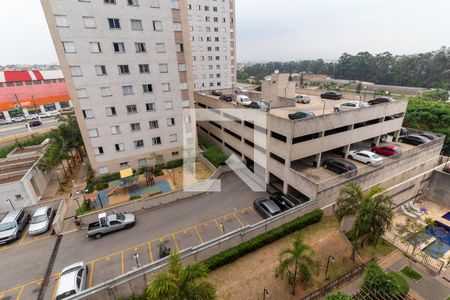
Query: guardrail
137	278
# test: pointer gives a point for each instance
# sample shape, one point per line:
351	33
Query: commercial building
32	92
295	150
129	68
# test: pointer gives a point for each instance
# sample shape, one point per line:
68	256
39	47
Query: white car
302	99
17	119
41	220
42	115
72	280
243	100
365	156
53	113
31	117
240	90
350	105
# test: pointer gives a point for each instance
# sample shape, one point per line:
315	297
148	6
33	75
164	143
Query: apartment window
98	151
106	91
140	47
89	22
61	21
133	2
115	129
114	23
156	141
150	106
75	71
153	124
135	126
100	70
157	26
170	122
183	86
127	90
110	1
148	88
142	162
175	4
119	47
168	105
207	19
88	113
124	69
175	153
166	87
206	8
185	103
163	68
82	93
176	26
103	170
69	47
182	67
111	111
172	138
95	47
216	19
139	144
154	3
160	48
119	147
277	158
136	25
93	133
144	68
124	164
179	47
131	109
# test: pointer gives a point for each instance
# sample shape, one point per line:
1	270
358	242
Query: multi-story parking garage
295	149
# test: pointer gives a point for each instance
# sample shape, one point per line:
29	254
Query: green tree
337	296
300	258
379	282
181	283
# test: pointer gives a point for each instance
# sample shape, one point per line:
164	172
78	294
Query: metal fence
136	280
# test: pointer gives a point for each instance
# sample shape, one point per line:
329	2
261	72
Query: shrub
402	284
407	271
379	282
174	163
109	177
234	253
101	186
84	208
203	141
158	169
30	142
135	197
215	156
337	296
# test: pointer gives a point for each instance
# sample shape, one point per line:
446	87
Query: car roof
41	211
67	281
11	216
366	152
269	204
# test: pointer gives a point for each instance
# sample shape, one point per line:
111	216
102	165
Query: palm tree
182	283
372	211
300	257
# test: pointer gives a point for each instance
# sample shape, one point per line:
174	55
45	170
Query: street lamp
365	92
136	258
266	294
9	201
328	264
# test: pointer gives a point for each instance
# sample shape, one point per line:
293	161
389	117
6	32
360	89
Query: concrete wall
439	188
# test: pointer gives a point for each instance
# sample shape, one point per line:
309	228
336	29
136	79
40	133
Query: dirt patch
247	277
176	175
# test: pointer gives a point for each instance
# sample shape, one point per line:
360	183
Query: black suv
227	98
35	123
340	166
284	201
216	93
331	95
379	100
301	115
413	139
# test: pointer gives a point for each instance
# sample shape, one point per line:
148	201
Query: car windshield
7	226
38	219
120	217
66	295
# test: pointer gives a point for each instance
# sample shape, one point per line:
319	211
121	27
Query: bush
30	142
379	282
109	177
101	186
337	296
402	284
84	208
174	164
203	141
135	198
234	253
158	169
215	156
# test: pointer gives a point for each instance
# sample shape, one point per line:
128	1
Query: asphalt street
15	128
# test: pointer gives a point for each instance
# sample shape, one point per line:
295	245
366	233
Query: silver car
72	280
41	220
302	99
12	225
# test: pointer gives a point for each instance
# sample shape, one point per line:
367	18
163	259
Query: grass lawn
383	248
410	273
402	284
247	277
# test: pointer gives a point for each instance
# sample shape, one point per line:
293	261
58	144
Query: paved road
15	128
180	225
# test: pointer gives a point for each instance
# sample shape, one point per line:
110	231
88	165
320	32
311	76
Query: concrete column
346	150
25	111
6	115
58	106
396	136
376	140
42	108
285	187
318	159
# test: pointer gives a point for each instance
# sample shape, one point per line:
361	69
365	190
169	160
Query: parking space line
20	293
91	274
239	220
218	226
175	240
150	250
198	234
123	264
54	290
23	237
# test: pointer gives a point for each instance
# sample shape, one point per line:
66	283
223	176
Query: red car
386	150
447	169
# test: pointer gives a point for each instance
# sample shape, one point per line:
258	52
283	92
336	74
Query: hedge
215	155
234	253
402	284
30	142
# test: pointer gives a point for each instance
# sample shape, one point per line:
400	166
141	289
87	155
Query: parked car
386	150
428	135
42	115
340	166
447	169
365	156
4	121
302	99
283	201
241	90
17	119
413	139
259	105
35	123
301	115
380	100
350	106
216	93
53	113
72	280
227	98
243	100
331	95
41	220
266	207
403	131
13	225
31	117
111	223
258	88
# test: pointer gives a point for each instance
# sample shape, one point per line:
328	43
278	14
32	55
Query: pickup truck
111	223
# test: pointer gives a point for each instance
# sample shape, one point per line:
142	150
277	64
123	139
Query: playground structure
127	180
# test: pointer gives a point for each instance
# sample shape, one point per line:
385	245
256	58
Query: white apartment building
212	31
128	66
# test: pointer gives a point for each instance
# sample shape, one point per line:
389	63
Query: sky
269	30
